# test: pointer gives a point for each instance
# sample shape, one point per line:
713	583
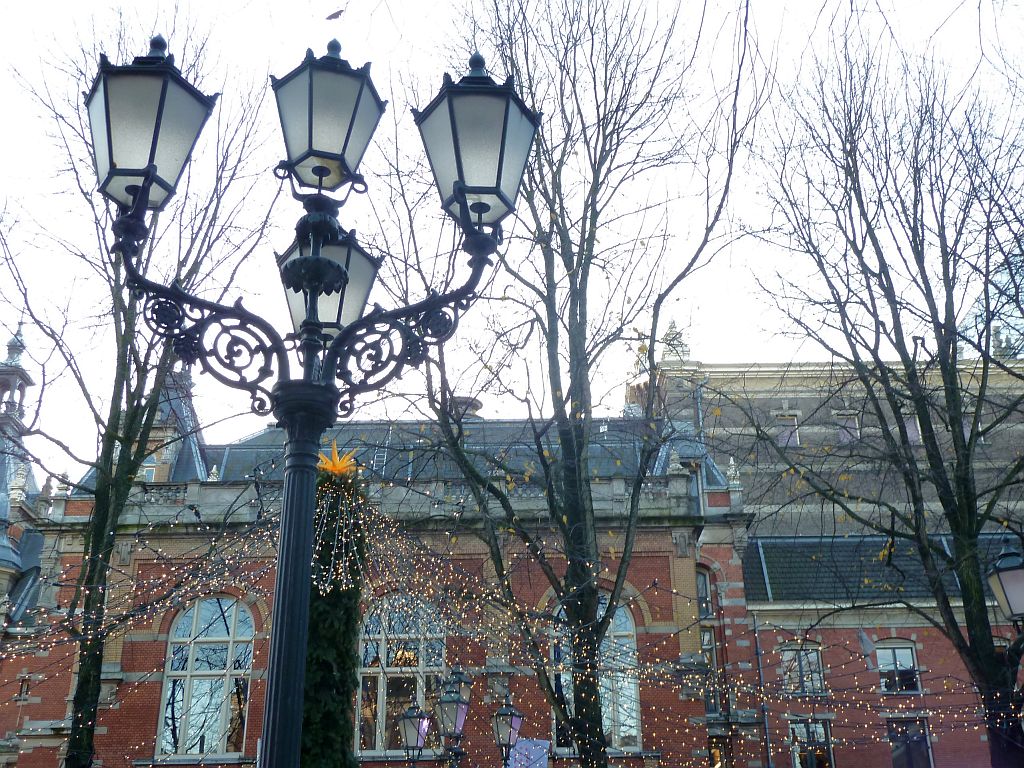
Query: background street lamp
507	722
452	708
145	120
413	726
1006	579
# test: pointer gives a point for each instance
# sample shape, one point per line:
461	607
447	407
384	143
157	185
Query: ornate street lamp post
145	121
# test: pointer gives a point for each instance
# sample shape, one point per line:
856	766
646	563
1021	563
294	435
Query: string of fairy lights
426	555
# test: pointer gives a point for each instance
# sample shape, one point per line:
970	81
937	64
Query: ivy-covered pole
332	654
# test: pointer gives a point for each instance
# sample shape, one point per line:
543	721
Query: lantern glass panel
367	116
362	272
293	109
1013	590
519	134
134	100
182	120
296	299
436	131
479	119
100	129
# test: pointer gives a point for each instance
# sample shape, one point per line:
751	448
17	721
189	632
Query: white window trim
189	675
899	644
383	672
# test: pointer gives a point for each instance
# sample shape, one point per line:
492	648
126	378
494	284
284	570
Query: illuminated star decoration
339	466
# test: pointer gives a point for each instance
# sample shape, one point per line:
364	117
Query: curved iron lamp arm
235	346
373	351
243	351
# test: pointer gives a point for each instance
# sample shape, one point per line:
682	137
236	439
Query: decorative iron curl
233	345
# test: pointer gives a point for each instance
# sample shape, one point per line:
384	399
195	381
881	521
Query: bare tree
95	337
900	196
583	285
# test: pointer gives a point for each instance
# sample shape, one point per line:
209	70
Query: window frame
427	628
238	640
807	724
705	602
891	649
926	739
801	653
787	429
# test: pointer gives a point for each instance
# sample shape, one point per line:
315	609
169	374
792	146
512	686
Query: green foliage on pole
332	655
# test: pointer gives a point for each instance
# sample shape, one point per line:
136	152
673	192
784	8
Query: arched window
620	690
206	679
402	652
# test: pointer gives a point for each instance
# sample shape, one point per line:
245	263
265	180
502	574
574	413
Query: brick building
824	627
190	599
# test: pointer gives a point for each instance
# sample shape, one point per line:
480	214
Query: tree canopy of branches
901	194
95	338
583	284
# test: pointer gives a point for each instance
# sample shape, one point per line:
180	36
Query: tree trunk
96	561
587	723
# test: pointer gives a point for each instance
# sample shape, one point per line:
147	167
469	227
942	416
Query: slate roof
843	569
404	450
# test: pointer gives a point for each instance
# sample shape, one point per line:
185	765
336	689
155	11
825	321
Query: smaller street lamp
413	725
1006	579
452	709
507	721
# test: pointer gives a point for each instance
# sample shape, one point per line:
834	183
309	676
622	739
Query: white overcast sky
726	320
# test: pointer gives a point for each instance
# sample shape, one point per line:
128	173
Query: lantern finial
157	47
477	66
334	49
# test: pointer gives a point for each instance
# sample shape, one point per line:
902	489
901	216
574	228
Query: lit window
787	432
620	691
402	653
720	752
811	744
801	671
898	671
704	609
206	688
908	740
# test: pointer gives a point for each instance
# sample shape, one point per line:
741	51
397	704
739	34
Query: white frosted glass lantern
140	115
506	723
478	135
340	302
1006	579
328	113
453	706
413	725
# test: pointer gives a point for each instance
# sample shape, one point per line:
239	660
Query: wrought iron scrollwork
233	345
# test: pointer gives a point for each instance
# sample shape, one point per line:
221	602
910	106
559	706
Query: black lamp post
145	121
506	722
452	708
